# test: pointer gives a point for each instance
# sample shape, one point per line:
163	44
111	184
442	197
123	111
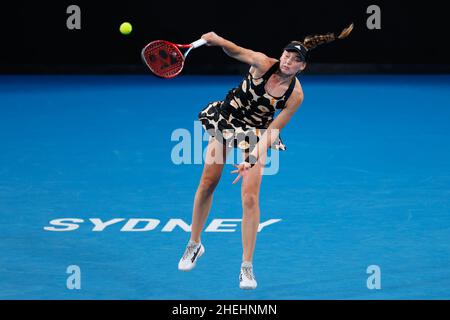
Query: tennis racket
165	59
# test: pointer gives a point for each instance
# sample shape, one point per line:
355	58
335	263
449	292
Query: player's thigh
251	182
215	158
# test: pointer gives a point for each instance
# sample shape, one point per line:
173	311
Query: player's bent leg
212	171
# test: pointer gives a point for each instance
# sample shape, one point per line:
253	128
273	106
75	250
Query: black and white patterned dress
240	119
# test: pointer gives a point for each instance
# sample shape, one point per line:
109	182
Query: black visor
298	48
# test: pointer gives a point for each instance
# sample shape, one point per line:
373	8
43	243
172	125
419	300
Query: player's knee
208	184
249	200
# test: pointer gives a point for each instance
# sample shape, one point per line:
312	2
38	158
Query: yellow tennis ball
125	28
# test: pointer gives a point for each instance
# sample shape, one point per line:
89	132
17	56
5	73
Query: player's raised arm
253	58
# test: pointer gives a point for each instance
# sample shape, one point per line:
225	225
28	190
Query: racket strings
163	59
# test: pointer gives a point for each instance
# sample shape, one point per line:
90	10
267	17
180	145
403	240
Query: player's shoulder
268	62
264	64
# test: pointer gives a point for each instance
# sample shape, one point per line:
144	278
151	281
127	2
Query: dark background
414	36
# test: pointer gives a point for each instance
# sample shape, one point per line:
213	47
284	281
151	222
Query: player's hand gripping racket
165	59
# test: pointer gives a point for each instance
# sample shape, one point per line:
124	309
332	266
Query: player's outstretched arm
253	58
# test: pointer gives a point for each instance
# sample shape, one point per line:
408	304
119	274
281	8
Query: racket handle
198	43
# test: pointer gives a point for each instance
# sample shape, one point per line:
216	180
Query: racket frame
176	47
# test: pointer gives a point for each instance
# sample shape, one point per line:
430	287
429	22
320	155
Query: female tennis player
245	119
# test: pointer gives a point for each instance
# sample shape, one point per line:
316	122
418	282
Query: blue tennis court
365	181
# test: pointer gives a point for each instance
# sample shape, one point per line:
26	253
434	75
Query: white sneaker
247	278
191	254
